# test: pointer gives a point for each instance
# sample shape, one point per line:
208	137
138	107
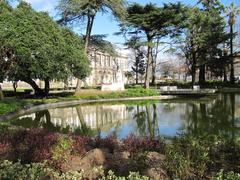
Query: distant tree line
199	33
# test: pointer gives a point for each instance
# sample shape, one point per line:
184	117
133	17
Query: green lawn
12	104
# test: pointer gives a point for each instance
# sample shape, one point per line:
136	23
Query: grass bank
13	103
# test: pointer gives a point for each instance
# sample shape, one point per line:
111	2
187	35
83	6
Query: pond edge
33	108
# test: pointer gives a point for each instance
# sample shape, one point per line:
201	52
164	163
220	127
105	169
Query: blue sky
105	24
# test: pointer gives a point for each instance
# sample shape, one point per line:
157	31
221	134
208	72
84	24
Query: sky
105	23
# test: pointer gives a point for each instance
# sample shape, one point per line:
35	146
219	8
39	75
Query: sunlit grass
12	104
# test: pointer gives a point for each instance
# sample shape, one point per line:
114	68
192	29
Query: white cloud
43	5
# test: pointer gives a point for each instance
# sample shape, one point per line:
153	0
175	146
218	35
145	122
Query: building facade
105	66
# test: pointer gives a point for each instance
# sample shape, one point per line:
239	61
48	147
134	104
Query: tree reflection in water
220	116
147	122
42	119
216	118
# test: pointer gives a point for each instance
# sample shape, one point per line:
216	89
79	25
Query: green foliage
10	170
188	156
33	46
139	161
61	152
203	38
150	22
133	92
80	9
139	64
131	176
98	43
177	164
227	176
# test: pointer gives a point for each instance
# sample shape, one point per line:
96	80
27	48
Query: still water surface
219	115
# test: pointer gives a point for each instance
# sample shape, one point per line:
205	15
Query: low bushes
35	171
135	145
189	157
35	152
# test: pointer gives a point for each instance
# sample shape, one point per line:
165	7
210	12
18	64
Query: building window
98	59
108	60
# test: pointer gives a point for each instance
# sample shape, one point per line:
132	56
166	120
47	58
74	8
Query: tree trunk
194	69
232	101
149	64
47	86
154	72
224	75
137	76
193	76
37	90
154	63
149	121
1	93
202	71
87	40
232	80
15	85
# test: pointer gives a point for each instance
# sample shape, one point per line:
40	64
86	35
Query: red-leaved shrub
135	144
29	145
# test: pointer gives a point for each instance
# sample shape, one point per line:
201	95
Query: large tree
151	22
192	40
33	46
86	10
203	39
232	12
213	35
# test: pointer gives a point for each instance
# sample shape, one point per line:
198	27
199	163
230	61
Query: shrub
81	145
132	176
227	176
10	170
139	162
110	143
61	152
135	144
177	164
28	145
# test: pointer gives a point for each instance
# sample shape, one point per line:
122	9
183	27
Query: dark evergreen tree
150	22
139	64
33	46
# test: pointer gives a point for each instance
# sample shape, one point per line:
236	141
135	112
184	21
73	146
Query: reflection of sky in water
169	123
171	118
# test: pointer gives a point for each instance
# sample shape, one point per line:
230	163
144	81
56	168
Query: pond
218	115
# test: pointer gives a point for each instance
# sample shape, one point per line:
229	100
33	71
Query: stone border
33	108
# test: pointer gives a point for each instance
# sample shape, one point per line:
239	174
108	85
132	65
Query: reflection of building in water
94	117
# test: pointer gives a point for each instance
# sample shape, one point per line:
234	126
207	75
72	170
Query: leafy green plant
62	151
227	176
10	170
176	162
139	162
132	176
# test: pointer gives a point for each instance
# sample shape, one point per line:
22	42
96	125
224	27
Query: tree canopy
150	22
33	46
86	10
